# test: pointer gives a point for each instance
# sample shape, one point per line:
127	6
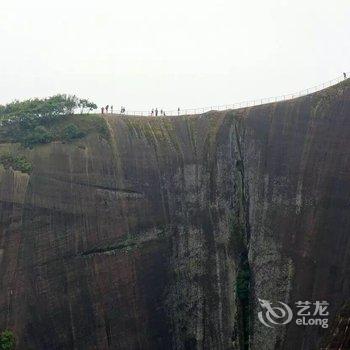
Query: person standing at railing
111	109
178	111
344	75
156	112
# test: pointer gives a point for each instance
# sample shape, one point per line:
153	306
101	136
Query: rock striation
164	234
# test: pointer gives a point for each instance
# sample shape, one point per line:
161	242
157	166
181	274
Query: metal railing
244	104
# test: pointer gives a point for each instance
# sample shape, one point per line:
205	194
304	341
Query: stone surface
137	241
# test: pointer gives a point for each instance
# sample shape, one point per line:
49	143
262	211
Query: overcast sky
165	54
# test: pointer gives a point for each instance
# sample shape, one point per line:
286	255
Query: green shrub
102	128
39	135
32	110
41	121
71	132
20	118
16	163
7	340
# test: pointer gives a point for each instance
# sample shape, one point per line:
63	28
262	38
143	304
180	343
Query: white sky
165	54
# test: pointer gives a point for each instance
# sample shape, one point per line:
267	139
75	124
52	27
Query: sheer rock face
139	241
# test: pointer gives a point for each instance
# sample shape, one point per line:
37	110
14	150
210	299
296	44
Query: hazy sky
165	54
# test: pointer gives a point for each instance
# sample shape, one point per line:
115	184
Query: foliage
86	104
39	135
19	163
102	128
71	132
7	340
40	121
30	112
243	294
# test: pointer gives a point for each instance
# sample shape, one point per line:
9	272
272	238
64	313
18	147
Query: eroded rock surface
164	235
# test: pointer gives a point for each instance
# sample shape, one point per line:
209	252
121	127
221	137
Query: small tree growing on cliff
39	135
7	340
71	132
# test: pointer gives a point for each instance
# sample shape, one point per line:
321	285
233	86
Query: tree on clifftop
29	112
83	103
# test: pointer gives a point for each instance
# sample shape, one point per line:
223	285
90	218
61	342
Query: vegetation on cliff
72	132
19	163
30	112
7	340
40	121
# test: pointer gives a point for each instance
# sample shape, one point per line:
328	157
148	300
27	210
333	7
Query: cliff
164	233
